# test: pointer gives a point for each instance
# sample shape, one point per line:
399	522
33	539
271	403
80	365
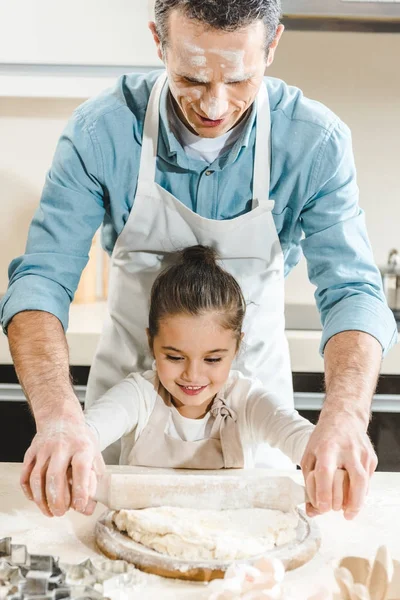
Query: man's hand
62	450
338	442
63	440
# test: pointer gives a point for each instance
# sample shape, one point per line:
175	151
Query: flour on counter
194	534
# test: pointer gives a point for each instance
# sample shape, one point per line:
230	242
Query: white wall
357	75
29	130
89	32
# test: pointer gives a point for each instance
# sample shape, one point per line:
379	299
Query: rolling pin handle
341	479
102	493
298	494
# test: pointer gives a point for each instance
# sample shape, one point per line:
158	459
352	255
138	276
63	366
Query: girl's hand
61	468
340	492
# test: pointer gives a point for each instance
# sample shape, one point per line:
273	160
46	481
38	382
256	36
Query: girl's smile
192	390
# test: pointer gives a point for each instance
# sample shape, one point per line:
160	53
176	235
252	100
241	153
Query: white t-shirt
124	411
206	149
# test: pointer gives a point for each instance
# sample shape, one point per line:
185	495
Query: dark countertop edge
348	24
302	382
79	374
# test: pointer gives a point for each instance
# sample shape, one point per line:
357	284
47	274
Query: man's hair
227	15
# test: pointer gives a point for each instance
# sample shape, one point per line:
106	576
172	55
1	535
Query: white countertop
86	323
71	537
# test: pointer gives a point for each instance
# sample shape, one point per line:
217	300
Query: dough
193	534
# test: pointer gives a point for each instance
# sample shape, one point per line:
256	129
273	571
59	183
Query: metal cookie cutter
109	576
25	576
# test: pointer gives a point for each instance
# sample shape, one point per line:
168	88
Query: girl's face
193	356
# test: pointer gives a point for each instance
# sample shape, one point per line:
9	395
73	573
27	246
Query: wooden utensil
381	575
360	592
126	487
345	581
362	580
394	587
133	488
360	568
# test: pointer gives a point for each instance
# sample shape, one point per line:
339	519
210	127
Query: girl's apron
222	448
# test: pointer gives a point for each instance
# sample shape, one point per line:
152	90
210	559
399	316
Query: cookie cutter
25	576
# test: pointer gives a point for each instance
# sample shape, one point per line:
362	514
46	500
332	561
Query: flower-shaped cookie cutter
262	581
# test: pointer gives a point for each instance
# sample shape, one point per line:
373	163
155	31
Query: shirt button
209	173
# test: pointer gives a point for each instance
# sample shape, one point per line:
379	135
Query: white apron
158	225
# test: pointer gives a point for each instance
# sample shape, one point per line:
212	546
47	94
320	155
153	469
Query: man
198	158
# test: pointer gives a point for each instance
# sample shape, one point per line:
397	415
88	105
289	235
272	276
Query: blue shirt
93	180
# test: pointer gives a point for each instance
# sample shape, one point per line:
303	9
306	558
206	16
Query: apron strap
226	423
148	157
262	155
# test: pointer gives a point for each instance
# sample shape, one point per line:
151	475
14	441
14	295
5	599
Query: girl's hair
196	284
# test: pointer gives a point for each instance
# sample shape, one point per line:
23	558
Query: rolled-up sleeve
71	210
349	292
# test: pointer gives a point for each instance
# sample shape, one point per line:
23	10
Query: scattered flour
193	534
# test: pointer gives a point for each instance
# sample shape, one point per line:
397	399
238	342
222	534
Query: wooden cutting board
117	545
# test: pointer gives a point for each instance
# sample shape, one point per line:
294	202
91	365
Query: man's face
213	75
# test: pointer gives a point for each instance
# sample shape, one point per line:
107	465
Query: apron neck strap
148	157
262	155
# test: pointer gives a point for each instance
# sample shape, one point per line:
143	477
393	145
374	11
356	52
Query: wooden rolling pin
127	489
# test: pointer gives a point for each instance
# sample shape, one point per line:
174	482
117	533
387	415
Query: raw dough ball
193	534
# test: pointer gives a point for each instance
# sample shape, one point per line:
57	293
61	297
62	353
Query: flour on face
195	54
236	57
214	108
193	534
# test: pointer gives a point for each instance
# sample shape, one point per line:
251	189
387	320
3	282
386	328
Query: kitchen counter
86	324
71	537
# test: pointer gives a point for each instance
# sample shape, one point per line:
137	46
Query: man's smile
210	122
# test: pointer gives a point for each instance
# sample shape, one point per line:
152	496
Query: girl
192	411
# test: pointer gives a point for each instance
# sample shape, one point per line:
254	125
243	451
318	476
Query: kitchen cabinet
68	33
17	426
67	50
17	429
384	428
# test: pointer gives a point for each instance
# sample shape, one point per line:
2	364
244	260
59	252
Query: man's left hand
338	442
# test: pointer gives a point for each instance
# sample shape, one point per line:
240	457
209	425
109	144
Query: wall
357	75
96	32
29	130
